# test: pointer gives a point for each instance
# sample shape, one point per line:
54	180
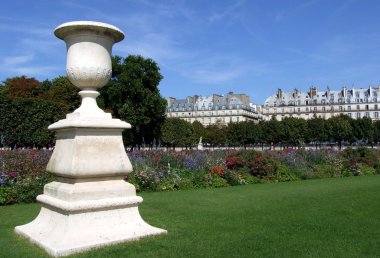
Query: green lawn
314	218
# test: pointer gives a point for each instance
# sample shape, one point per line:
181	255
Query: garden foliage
23	172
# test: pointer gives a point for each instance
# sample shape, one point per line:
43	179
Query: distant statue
200	144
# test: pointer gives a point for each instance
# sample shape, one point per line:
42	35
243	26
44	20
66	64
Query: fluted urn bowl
89	48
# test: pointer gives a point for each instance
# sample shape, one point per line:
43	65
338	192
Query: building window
375	106
358	115
366	107
307	109
323	108
340	108
332	108
349	115
349	108
367	114
315	108
357	107
376	114
323	101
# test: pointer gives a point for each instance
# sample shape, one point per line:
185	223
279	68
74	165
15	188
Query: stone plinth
90	205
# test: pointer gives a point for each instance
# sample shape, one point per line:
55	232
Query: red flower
216	170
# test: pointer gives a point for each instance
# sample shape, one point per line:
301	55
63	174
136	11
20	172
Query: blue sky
214	46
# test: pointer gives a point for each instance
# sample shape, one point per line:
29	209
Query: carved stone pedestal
89	205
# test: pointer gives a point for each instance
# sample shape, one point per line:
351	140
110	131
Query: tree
339	129
62	91
362	130
216	134
133	96
23	87
198	131
317	131
176	132
236	134
272	132
376	131
294	130
253	132
24	122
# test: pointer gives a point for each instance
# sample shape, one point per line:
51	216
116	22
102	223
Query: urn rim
99	28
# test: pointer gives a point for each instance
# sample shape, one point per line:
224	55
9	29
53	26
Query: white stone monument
200	144
90	205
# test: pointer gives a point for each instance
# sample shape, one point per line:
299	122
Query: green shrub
327	170
168	184
185	183
284	174
7	195
216	181
199	179
366	170
27	191
232	177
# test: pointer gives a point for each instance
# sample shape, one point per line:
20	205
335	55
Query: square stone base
67	227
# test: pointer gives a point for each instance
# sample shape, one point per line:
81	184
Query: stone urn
89	205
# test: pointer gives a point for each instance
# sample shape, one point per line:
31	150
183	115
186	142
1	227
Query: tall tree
272	132
62	91
317	131
376	131
340	129
23	87
133	96
362	130
253	131
236	134
177	132
198	131
294	130
216	134
24	122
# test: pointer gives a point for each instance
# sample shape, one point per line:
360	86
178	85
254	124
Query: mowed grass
315	218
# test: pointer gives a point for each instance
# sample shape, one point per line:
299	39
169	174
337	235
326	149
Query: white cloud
34	71
230	10
16	60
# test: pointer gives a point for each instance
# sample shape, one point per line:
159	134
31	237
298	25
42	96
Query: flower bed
23	172
23	175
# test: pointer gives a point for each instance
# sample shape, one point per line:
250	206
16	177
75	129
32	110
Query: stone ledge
90	205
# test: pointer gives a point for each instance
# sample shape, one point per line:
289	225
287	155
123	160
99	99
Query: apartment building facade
355	103
214	109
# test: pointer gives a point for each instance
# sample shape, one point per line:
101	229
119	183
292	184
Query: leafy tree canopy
133	96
